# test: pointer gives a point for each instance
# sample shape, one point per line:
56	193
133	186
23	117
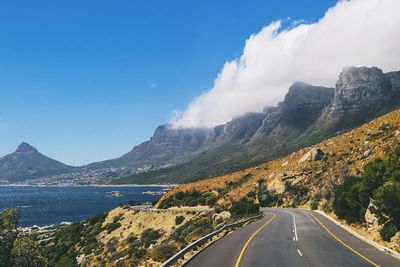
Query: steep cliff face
360	95
243	127
395	81
302	106
304	103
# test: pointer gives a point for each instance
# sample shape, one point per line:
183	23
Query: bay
53	205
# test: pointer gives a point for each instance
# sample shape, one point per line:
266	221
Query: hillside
308	176
307	115
26	162
288	177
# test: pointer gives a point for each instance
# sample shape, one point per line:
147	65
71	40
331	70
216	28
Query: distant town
86	176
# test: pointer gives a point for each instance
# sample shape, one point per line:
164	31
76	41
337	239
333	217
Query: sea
46	205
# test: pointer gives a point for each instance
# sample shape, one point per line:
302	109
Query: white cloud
357	32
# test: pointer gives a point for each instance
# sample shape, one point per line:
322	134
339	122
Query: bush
179	219
99	218
251	194
315	202
112	226
346	203
163	252
191	198
244	207
117	218
379	181
8	233
137	252
327	208
150	236
26	252
192	228
131	239
388	231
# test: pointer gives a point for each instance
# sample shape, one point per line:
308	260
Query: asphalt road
291	237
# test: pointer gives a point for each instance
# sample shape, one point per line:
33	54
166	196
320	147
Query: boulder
370	218
366	154
222	216
80	259
313	155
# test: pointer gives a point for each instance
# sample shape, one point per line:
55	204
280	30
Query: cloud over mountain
356	32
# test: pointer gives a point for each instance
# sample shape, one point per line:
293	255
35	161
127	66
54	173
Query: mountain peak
26	148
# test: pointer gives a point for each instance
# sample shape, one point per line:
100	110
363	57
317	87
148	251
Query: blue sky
87	80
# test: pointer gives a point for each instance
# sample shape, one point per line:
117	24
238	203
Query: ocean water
53	205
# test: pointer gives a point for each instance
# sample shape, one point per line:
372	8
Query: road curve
291	237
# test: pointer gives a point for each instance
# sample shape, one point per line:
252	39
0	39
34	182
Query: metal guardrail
204	239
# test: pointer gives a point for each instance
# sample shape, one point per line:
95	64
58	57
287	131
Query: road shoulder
359	236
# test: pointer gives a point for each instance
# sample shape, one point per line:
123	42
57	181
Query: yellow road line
343	243
251	237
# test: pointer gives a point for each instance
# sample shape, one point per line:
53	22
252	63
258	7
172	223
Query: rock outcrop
361	94
370	217
302	106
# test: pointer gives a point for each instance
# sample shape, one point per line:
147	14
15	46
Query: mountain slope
27	163
296	177
307	115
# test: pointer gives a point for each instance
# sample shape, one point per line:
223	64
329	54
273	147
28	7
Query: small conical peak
25	148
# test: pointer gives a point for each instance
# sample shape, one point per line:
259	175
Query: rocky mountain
307	115
361	94
26	163
172	145
317	168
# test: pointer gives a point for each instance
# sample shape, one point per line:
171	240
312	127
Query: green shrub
387	199
131	239
251	194
8	233
346	203
150	236
26	252
191	198
99	218
243	207
327	208
112	226
137	252
162	252
192	228
117	218
388	231
179	219
379	181
315	202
